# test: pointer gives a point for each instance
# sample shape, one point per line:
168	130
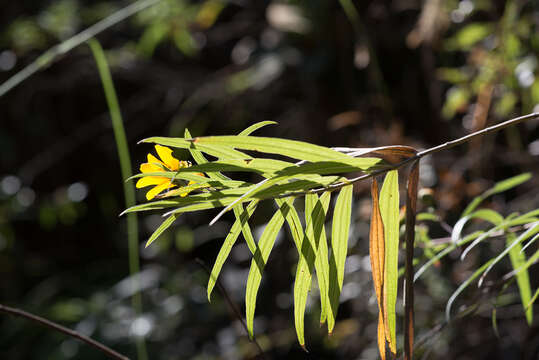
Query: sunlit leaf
220	152
494	219
229	242
522	237
315	215
446	251
339	248
164	225
389	210
290	148
255	127
532	300
260	258
469	35
499	187
462	287
518	259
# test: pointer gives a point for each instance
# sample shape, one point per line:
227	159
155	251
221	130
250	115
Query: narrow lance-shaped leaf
315	224
411	210
339	247
377	256
518	259
256	126
303	279
522	237
389	210
164	225
462	287
533	299
229	242
499	187
260	257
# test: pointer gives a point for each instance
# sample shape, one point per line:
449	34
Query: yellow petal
151	180
148	168
165	154
156	190
153	160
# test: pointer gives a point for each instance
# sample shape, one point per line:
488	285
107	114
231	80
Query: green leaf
154	205
531	260
201	159
290	148
525	235
499	187
339	247
468	36
255	127
389	209
533	299
446	251
258	165
164	225
509	183
315	219
303	279
484	214
462	287
427	217
518	259
242	216
229	242
260	257
216	151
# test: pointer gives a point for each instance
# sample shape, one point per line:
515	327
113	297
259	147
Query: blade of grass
52	54
126	171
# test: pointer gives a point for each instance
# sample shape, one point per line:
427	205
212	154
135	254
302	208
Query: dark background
405	72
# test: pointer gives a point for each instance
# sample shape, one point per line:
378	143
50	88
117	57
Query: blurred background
334	73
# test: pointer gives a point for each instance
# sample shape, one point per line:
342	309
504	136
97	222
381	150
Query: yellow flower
167	163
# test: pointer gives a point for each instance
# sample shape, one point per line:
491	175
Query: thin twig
50	55
419	155
18	312
232	306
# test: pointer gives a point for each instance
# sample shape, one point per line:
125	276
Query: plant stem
126	171
50	55
21	313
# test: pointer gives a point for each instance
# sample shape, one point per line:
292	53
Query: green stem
125	167
50	55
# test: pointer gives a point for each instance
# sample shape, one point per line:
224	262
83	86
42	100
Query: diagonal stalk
53	53
126	171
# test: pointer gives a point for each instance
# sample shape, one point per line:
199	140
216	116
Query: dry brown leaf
377	256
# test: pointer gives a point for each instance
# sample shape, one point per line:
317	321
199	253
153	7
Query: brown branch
232	306
21	313
419	155
411	209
